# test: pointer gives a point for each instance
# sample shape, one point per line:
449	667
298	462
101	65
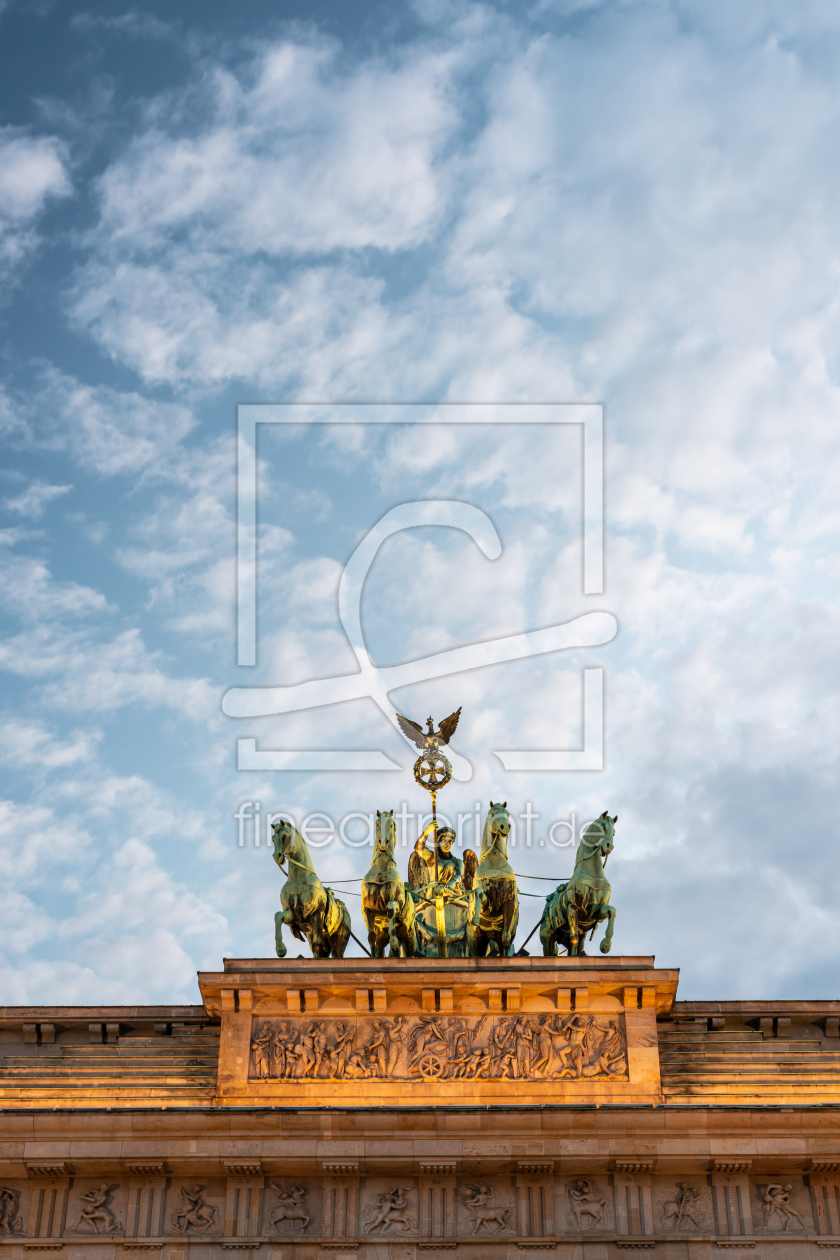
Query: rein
294	862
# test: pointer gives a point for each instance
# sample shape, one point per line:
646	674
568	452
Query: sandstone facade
407	1109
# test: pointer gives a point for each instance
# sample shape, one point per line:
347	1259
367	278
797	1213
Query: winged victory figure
429	741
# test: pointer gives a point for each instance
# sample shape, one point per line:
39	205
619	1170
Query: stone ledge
56	1168
144	1167
243	1167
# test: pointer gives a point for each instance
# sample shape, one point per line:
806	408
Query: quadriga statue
581	904
312	911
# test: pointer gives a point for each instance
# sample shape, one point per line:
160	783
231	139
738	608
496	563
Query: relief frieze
440	1048
586	1207
10	1219
391	1213
96	1214
194	1213
683	1211
485	1215
291	1206
778	1212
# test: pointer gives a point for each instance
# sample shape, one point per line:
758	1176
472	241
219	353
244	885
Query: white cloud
34	500
301	154
133	24
29	591
33	170
634	206
32	744
108	431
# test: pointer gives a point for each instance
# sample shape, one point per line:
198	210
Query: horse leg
548	940
314	930
606	943
574	931
394	943
410	939
511	929
338	942
279	920
507	921
407	935
378	939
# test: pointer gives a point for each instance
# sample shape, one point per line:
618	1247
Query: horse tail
341	935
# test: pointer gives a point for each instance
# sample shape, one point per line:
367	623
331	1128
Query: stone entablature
474	1030
571	1107
478	1209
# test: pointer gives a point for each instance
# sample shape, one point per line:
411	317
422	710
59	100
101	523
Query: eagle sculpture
429	741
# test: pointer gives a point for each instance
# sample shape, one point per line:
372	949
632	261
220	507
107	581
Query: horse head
283	834
385	837
496	829
598	836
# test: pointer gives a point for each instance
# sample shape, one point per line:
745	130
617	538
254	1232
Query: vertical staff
434	824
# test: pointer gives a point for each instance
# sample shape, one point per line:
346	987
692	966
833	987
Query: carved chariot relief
441	1048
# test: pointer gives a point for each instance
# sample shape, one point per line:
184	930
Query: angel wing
412	730
418	871
470	868
447	726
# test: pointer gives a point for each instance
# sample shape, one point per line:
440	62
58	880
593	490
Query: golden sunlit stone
411	1108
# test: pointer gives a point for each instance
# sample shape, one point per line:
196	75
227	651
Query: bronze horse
496	915
583	902
387	908
309	909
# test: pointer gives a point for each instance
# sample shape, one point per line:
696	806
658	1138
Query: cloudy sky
632	203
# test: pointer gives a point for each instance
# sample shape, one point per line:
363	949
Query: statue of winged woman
429	741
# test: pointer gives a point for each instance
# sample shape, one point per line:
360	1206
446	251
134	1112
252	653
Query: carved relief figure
279	1062
96	1213
584	1205
776	1200
291	1206
477	1203
261	1047
398	1046
440	1047
391	1211
194	1212
10	1222
679	1210
342	1047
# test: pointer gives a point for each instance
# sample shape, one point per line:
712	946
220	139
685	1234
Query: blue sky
632	203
